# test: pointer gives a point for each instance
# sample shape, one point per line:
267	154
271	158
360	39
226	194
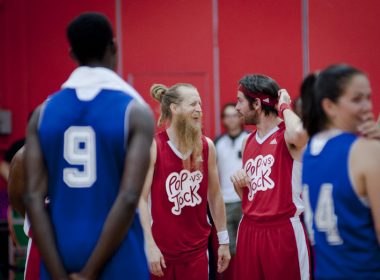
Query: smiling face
353	107
190	106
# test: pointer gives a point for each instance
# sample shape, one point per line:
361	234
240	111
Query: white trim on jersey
177	152
303	254
269	134
363	199
297	187
319	140
26	226
89	81
317	144
27	257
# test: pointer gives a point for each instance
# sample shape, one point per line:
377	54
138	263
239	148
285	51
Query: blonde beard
189	141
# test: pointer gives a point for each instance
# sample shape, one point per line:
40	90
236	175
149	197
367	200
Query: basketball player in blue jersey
87	150
341	174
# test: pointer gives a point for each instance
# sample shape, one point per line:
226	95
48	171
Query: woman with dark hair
341	173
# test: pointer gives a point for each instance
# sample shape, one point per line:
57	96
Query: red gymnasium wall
347	31
211	44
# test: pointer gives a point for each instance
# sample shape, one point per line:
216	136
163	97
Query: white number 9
80	149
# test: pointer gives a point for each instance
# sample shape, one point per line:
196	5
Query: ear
329	108
256	104
173	108
72	54
113	46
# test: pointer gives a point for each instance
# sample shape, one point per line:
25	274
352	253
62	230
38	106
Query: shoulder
17	163
141	113
37	114
209	141
366	149
219	138
365	154
249	137
211	146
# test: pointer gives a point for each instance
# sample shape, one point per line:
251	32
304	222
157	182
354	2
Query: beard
189	140
252	118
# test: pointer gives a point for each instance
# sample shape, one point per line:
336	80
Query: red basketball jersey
275	190
179	203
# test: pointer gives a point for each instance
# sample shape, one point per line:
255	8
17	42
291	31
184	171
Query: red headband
265	99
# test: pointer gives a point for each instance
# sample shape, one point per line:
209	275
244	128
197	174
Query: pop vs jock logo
258	170
182	189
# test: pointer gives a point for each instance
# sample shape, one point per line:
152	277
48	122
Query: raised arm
217	209
155	258
295	135
34	199
120	217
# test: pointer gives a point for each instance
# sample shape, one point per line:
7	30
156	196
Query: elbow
27	199
299	138
130	200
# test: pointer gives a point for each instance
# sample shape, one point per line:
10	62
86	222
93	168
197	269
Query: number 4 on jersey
325	218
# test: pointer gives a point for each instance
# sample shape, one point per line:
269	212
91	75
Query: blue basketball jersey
83	144
339	223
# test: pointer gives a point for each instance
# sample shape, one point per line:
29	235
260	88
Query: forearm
4	170
43	235
146	222
218	211
114	231
293	123
239	192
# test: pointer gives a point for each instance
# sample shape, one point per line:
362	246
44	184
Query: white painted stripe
303	254
297	187
216	65
237	233
119	37
305	37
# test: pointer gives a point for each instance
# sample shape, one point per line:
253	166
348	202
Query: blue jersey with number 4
340	224
84	147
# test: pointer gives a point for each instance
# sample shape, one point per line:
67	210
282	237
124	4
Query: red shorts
33	261
272	251
191	270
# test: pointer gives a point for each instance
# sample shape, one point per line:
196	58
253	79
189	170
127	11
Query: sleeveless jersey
340	224
179	204
83	144
274	193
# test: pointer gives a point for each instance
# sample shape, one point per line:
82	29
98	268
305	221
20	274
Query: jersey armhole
363	200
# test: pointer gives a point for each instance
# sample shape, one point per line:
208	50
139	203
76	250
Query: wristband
283	107
223	237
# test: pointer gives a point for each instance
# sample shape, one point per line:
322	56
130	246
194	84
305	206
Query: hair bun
157	91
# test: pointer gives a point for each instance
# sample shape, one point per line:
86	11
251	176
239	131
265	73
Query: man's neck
172	135
266	124
234	132
174	139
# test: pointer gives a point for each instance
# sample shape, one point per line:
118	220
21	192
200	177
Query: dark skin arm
141	129
34	197
17	182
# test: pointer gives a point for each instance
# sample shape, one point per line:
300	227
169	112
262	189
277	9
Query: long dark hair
331	84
